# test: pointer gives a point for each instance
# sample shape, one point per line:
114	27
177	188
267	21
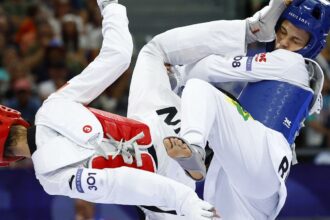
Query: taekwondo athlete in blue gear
312	16
252	152
284	106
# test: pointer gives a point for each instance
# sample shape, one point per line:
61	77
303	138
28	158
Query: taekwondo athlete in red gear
73	142
253	150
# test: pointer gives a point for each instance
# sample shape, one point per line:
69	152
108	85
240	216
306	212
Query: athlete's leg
238	141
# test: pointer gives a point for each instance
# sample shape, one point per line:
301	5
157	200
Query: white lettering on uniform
287	122
299	18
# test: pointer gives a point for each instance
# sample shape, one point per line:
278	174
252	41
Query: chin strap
316	78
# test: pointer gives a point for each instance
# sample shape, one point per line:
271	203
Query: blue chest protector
278	105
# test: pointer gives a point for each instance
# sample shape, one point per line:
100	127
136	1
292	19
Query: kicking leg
238	141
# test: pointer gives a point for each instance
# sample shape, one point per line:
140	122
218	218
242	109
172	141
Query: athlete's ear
316	84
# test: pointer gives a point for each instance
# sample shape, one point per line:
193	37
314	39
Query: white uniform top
208	52
67	133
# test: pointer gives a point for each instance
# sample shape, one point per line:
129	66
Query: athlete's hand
288	2
262	23
197	209
103	3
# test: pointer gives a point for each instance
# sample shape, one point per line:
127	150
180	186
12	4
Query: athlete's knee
198	83
198	87
48	187
152	48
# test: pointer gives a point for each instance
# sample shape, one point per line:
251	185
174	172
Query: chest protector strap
278	105
122	128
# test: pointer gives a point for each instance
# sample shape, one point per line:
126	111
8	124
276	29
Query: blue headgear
312	16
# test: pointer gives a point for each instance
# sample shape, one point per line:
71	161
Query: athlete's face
290	37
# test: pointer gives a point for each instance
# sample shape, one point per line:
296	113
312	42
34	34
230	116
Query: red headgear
8	117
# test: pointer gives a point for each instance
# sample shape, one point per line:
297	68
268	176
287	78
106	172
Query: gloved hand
261	27
197	209
103	3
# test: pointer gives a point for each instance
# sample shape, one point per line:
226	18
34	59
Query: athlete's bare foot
176	148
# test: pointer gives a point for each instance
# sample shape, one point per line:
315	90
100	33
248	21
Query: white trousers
241	181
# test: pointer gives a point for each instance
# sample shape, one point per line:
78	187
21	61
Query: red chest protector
122	130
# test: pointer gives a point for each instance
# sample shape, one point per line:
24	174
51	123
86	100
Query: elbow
119	56
125	58
48	190
126	52
49	187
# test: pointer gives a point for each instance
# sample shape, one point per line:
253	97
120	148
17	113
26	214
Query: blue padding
278	105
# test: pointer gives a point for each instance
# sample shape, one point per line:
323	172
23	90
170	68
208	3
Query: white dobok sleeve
281	65
189	44
113	59
122	185
184	45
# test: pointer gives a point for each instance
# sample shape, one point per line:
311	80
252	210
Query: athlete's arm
113	60
125	186
279	65
189	44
